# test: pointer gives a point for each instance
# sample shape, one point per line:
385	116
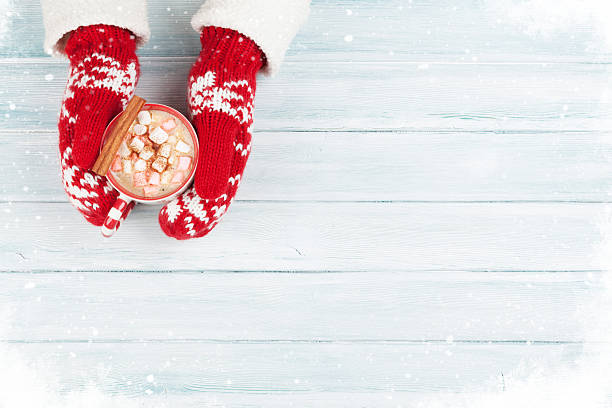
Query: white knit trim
63	16
272	24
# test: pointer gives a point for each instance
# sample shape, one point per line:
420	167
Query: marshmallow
156	156
116	165
165	150
140	165
160	164
172	158
140	179
144	117
127	166
158	135
124	151
154	179
166	176
150	190
139	129
184	163
168	125
182	147
137	144
146	153
179	176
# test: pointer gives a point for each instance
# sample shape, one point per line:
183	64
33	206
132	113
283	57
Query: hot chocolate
156	156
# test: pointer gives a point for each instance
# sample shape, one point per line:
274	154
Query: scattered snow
584	383
6	13
551	17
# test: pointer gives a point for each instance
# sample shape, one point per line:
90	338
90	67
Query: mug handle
117	213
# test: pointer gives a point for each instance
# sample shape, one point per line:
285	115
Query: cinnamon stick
109	150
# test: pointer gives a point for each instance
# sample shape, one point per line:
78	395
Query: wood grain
335	399
315	236
316	307
392	176
349	96
286	368
373	166
395	30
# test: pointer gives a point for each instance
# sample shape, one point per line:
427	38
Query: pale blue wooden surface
345	306
389	30
394	96
421	214
357	166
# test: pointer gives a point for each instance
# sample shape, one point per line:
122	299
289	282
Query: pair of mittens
104	71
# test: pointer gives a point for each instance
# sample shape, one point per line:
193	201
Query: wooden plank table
420	216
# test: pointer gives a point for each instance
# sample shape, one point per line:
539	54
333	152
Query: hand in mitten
104	70
221	92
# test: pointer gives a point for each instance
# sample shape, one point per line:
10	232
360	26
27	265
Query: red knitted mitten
104	70
221	92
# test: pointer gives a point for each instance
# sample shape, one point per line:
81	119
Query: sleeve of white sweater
63	16
272	24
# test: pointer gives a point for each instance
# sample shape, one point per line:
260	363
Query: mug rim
194	138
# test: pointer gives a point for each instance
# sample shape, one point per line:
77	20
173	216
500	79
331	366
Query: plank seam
385	342
302	271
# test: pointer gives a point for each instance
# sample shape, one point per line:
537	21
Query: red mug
122	207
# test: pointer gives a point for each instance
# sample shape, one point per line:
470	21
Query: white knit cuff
272	24
63	16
